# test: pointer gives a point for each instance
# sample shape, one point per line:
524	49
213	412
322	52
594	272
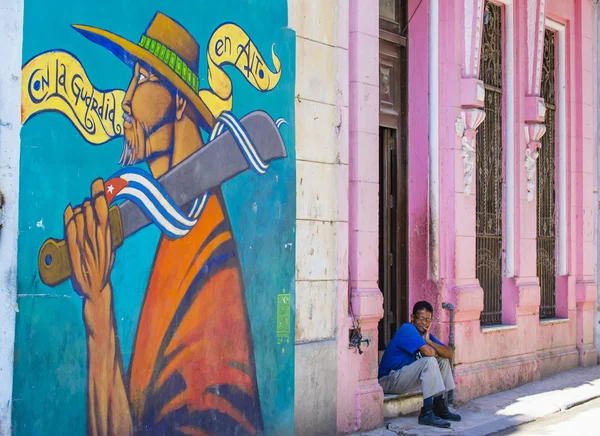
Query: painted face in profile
148	116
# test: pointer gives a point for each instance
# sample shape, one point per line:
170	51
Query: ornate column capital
533	135
466	129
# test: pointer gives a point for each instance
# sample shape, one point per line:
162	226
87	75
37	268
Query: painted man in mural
192	368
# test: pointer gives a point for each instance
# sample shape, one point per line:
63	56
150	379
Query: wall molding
434	141
536	12
473	13
561	110
509	144
473	95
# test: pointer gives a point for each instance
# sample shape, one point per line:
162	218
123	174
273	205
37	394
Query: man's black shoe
427	417
440	408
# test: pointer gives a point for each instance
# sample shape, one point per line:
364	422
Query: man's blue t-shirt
403	349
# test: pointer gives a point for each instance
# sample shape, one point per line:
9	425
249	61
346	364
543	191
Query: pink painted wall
360	398
418	156
524	349
504	357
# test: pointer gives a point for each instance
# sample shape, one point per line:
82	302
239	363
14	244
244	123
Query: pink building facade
455	90
445	108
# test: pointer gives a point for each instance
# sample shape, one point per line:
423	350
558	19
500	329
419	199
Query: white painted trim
597	174
469	6
473	11
532	7
11	34
509	71
434	231
555	25
434	157
562	146
510	141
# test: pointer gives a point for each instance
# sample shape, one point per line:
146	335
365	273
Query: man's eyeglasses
421	318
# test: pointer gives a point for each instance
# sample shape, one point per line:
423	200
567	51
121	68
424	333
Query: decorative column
359	395
466	293
585	202
472	89
535	108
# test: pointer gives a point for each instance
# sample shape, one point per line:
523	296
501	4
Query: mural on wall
185	289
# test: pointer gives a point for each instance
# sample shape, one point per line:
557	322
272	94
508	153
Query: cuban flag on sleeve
140	187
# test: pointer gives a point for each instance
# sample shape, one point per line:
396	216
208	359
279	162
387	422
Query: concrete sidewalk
497	412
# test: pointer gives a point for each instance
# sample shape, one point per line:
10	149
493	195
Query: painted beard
129	156
135	149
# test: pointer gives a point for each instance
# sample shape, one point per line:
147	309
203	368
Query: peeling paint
6	124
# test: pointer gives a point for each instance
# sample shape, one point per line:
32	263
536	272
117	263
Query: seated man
413	357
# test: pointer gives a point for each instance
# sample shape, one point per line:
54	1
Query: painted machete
215	163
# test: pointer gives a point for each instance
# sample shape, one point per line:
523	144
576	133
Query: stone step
400	405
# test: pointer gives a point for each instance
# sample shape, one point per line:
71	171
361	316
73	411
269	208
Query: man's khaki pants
434	373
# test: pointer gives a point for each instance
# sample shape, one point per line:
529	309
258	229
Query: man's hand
87	233
428	350
439	350
88	237
427	336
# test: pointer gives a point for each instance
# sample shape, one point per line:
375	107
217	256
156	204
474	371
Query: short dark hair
422	305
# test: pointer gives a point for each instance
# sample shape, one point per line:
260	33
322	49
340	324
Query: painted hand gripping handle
215	163
53	259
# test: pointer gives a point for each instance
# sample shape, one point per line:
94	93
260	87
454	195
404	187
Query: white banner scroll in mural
56	81
231	45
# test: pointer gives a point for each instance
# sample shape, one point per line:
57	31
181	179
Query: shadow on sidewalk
498	413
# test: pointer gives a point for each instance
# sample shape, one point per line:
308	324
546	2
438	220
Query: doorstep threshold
410	394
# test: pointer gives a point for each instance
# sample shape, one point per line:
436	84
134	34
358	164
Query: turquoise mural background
58	166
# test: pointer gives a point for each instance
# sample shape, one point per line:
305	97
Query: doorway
393	169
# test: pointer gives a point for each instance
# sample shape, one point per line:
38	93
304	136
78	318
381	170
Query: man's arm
427	350
108	406
88	238
439	350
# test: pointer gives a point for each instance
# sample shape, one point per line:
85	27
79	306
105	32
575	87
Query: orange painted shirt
192	369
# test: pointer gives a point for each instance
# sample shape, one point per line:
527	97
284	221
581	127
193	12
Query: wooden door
393	166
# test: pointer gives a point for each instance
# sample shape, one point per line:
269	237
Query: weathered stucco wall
360	397
322	211
597	209
11	33
525	347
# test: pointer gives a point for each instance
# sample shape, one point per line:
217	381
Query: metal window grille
546	187
489	181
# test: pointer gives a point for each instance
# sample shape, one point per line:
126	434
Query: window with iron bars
546	186
488	240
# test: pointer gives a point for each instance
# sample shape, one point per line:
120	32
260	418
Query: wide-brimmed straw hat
168	48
